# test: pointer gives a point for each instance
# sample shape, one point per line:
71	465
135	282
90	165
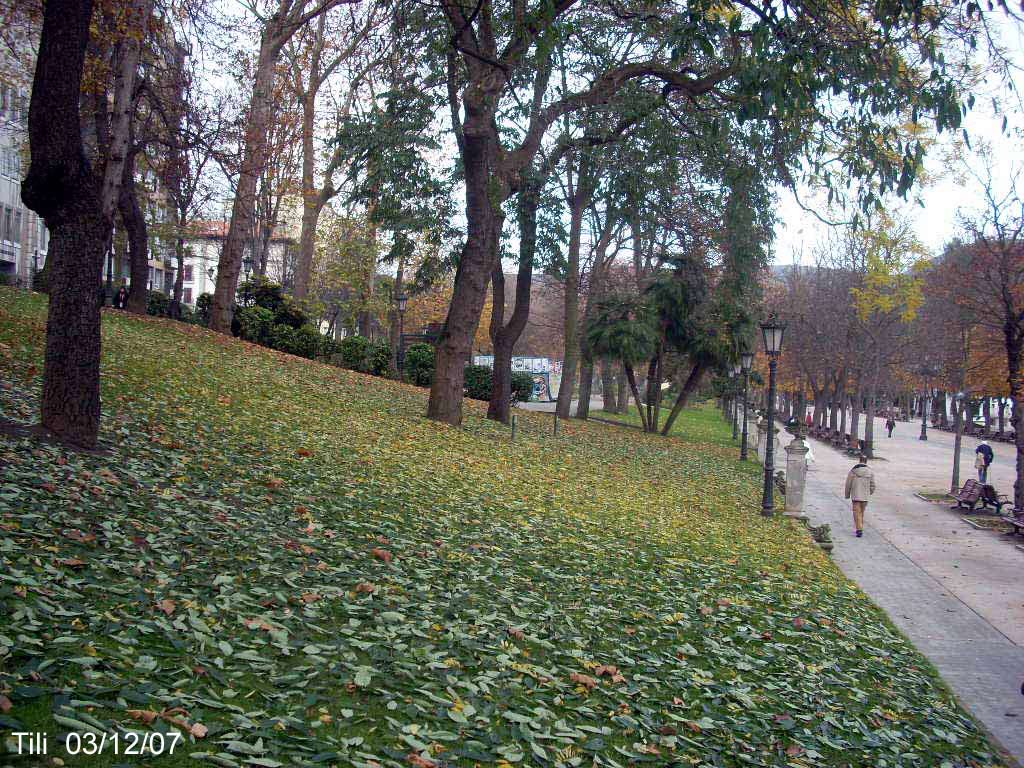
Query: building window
187	295
17	227
187	274
8	223
3	99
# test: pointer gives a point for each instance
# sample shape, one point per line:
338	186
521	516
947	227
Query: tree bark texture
134	223
580	197
62	188
254	159
609	403
479	255
504	336
689	387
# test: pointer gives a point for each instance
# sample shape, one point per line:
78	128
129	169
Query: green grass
604	597
704	424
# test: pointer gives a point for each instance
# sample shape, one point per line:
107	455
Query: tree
747	60
990	279
276	29
63	189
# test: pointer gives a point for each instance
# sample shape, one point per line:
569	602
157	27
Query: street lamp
772	331
736	370
402	301
746	362
247	265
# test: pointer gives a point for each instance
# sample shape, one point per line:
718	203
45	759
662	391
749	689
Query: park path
955	591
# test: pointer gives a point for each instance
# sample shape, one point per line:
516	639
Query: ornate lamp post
736	370
746	362
247	265
402	301
772	331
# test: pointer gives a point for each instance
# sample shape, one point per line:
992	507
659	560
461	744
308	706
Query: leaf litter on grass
287	564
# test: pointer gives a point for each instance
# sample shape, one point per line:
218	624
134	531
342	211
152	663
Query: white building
23	236
202	254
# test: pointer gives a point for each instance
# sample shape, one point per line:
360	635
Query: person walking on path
890	424
982	459
860	484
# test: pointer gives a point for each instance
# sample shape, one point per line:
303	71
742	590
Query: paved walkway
955	591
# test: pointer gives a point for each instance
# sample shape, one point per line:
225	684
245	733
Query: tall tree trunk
869	423
580	198
622	393
609	404
855	404
958	426
310	196
1001	415
586	385
652	383
395	332
631	378
505	336
63	190
1014	334
134	223
987	410
179	277
479	255
692	382
842	409
254	159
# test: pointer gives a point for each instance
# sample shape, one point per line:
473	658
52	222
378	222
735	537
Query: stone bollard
762	439
796	475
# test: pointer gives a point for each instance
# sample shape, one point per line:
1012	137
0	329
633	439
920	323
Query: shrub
281	337
290	314
260	292
255	324
306	342
157	304
9	279
478	382
419	364
379	358
330	349
202	313
355	352
522	387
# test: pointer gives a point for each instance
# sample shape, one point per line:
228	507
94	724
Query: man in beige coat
860	484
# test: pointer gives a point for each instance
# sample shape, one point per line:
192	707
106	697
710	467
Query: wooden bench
1016	519
968	496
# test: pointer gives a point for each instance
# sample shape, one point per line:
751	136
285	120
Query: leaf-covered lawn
287	564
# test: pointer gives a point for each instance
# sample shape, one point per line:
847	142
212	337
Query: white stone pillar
762	439
796	476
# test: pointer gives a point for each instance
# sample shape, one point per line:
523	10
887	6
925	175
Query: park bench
1016	519
968	496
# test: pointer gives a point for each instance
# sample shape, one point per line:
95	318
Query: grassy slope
250	489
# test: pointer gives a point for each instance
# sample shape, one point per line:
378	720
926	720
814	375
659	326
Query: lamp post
746	361
247	265
402	300
772	331
735	406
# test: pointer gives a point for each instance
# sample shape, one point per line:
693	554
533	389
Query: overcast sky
937	222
